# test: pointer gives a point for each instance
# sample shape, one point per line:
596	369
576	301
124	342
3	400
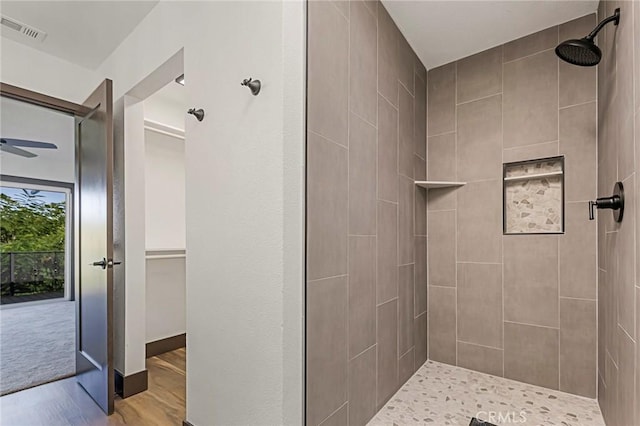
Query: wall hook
254	85
197	113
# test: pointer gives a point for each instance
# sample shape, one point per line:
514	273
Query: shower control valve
614	202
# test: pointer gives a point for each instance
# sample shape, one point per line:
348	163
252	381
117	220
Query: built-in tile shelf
438	184
539	175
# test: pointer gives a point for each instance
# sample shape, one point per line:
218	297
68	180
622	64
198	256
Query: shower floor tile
440	394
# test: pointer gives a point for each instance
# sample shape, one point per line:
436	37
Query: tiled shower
398	274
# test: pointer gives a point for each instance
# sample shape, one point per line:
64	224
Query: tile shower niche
533	199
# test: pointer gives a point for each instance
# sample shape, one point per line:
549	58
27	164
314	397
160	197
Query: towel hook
254	85
197	113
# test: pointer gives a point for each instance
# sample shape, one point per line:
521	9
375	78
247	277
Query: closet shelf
438	184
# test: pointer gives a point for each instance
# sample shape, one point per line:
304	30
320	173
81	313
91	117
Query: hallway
64	403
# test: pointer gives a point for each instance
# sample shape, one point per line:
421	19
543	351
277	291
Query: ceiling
444	31
81	32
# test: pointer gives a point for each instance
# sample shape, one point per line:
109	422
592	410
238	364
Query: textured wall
518	306
619	266
366	257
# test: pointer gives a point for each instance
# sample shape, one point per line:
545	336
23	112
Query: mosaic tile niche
533	196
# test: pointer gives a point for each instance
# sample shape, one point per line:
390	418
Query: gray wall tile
479	139
327	196
480	358
442	256
406	143
406	233
420	118
387	265
387	56
405	309
578	268
480	222
326	347
531	279
362	379
420	294
533	43
441	157
420	340
405	366
480	296
363	60
441	99
442	324
578	144
531	100
531	354
387	150
328	72
362	293
387	351
480	75
362	177
578	342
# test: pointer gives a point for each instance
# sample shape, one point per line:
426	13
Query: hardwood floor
64	403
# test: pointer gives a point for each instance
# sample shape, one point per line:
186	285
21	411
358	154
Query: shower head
584	52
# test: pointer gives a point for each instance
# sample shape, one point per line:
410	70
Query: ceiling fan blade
28	144
17	151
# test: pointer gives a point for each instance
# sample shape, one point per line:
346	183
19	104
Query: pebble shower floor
440	394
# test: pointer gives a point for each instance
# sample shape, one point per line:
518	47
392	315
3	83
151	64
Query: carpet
37	344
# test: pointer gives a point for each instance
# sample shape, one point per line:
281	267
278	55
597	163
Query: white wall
32	69
20	120
244	303
164	176
165	297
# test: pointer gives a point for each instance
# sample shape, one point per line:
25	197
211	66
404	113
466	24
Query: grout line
463	262
578	104
441	134
328	139
365	350
482	346
578	298
326	278
528	56
532	325
375	126
389	102
478	99
531	145
338	409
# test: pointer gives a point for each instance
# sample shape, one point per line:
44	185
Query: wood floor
64	403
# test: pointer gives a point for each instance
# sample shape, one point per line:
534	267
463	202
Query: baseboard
166	345
127	386
186	423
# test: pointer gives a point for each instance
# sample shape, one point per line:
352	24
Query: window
533	199
36	241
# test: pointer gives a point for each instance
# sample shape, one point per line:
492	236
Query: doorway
56	195
37	314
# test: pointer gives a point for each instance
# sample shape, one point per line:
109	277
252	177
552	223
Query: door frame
78	111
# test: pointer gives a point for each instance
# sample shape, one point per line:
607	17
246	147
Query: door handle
101	263
104	263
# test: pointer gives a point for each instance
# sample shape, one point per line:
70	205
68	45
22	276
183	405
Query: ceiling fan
10	146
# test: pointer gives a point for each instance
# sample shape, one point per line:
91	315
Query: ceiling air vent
25	30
